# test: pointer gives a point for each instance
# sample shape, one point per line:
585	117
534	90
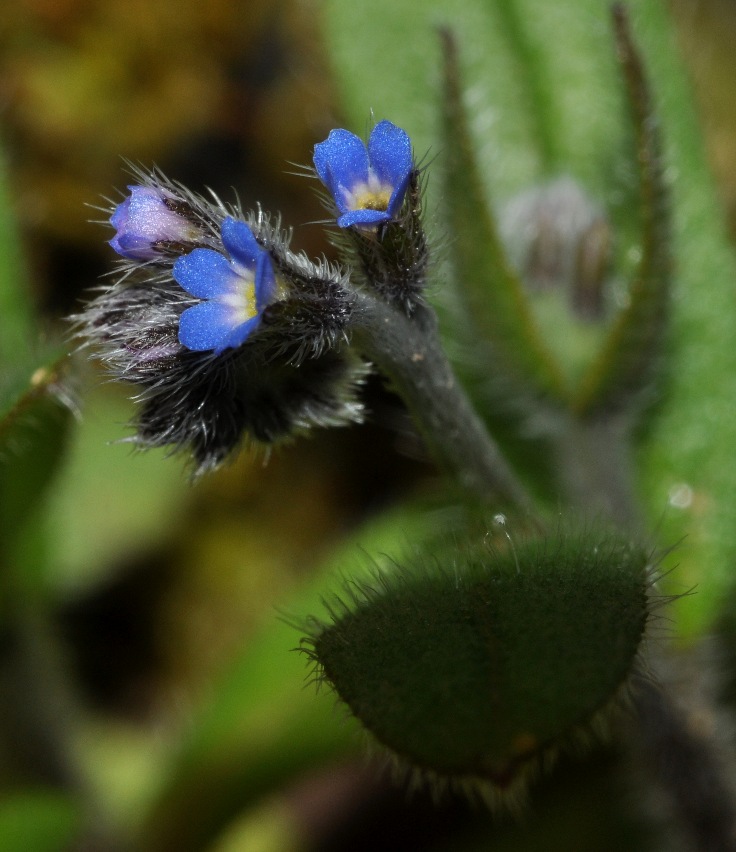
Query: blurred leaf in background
38	822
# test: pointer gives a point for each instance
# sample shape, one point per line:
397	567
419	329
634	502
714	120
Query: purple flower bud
148	222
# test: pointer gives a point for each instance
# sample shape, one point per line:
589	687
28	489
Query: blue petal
265	282
397	196
341	161
239	335
238	239
206	326
132	246
145	213
145	201
389	148
363	217
119	217
205	273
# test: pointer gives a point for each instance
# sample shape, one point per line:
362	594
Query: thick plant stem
689	765
409	353
593	463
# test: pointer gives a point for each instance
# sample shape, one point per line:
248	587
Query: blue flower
146	218
368	184
236	290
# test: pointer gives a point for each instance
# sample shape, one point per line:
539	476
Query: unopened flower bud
151	222
558	238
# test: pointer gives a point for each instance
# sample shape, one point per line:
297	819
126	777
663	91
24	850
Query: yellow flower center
369	195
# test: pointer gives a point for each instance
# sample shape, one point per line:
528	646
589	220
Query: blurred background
229	96
158	583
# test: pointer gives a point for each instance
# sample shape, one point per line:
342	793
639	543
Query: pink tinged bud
144	221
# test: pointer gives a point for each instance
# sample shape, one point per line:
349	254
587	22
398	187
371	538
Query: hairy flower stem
409	353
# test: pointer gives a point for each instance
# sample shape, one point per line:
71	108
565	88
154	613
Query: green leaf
632	352
472	662
18	329
496	304
687	460
16	308
38	821
33	438
34	422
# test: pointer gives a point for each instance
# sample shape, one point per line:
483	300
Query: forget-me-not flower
197	279
369	182
235	290
147	220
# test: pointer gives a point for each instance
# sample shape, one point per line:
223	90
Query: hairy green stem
593	464
409	353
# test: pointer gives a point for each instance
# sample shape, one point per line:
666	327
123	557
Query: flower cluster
225	331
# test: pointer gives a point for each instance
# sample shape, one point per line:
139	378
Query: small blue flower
143	220
236	290
368	184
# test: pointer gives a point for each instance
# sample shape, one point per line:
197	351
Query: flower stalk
409	353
